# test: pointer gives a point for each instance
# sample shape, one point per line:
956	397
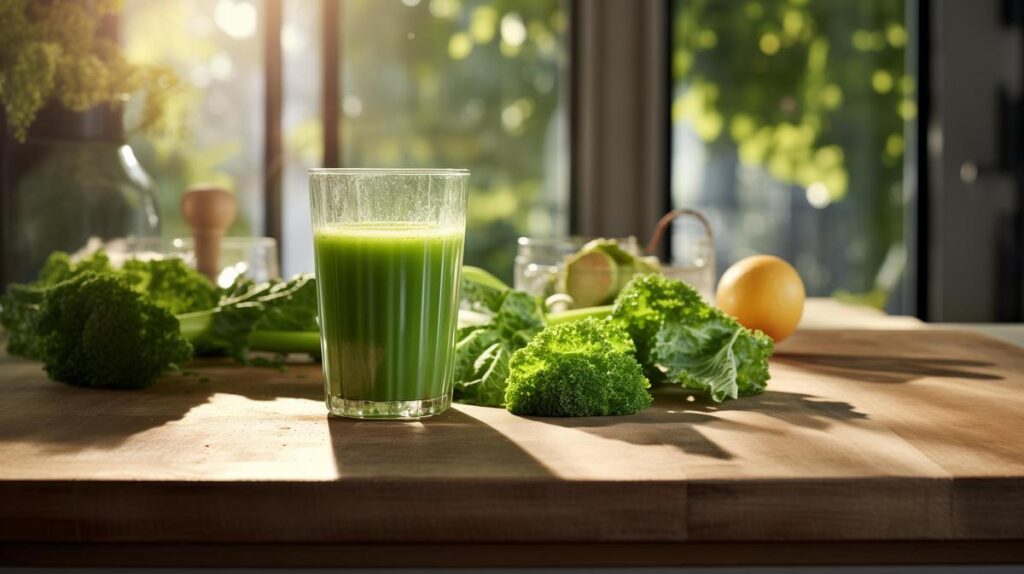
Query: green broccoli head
583	368
94	330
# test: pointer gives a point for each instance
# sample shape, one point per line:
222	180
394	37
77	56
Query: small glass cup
388	249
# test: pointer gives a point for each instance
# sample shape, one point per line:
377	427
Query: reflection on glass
788	121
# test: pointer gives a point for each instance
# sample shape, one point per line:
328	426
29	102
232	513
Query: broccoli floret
94	330
582	368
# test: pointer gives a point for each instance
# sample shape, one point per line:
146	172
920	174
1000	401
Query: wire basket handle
668	218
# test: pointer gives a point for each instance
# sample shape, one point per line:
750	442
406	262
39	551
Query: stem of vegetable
599	312
192	325
285	341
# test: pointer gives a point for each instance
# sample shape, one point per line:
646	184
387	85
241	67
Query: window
216	130
788	130
477	84
788	118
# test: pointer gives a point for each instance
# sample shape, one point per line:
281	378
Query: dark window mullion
330	32
273	146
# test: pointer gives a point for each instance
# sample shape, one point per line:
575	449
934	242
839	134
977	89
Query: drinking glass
388	249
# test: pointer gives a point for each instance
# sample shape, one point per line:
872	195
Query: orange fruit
763	292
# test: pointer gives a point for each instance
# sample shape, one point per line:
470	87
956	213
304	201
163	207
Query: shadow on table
881	369
452	444
62	417
676	418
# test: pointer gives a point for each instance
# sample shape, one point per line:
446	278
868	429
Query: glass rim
385	171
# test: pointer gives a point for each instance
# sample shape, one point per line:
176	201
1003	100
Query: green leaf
683	340
482	353
492	374
697	359
482	291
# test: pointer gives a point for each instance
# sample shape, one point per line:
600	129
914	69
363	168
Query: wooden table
896	445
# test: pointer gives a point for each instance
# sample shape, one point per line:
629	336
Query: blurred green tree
812	91
473	84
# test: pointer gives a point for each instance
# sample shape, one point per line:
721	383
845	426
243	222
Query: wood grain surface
910	435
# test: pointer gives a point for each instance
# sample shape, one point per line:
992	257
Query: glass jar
539	261
73	180
693	250
254	257
540	266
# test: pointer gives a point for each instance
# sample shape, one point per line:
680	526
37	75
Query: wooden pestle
209	210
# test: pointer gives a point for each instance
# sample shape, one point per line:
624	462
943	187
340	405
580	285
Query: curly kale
278	316
94	330
682	339
169	283
582	368
482	352
96	326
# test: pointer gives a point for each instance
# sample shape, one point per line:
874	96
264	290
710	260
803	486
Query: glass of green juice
388	249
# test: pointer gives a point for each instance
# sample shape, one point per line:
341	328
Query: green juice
389	297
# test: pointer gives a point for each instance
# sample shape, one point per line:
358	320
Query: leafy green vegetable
582	368
59	267
19	314
169	283
569	315
482	352
682	339
481	290
287	308
93	330
92	325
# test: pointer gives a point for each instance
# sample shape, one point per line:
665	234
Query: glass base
388	410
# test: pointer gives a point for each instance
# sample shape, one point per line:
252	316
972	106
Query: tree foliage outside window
470	84
797	108
215	123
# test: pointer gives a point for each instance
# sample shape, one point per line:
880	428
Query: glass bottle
73	182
